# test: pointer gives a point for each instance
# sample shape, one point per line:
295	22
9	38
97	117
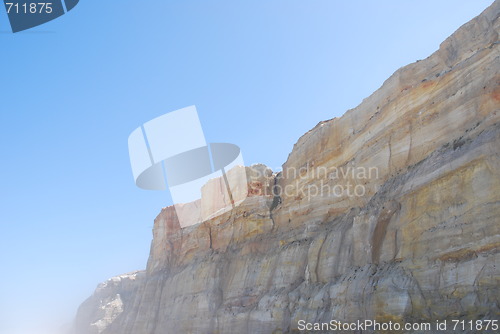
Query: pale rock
421	244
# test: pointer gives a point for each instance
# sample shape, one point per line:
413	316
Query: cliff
389	213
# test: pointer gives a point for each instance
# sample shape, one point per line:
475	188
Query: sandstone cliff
389	213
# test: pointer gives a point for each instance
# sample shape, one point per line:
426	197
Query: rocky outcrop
389	213
108	302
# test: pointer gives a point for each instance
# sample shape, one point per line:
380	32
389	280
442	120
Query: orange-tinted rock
420	243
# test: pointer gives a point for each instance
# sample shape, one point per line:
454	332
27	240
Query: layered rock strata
389	213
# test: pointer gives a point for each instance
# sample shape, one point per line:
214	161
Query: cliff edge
390	213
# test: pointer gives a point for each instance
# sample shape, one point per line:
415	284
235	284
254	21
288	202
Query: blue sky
261	74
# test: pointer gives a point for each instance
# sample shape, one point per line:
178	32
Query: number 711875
31	8
478	325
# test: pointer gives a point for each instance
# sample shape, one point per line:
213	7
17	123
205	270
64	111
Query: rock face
109	301
389	213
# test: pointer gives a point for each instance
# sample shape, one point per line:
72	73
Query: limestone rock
389	213
109	301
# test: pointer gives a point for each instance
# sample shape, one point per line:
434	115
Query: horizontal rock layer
389	213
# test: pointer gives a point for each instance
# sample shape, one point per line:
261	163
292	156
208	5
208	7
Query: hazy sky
261	74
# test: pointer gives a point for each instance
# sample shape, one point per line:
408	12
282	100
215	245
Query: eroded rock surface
418	241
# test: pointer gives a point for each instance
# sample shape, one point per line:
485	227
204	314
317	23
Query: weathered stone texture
422	243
